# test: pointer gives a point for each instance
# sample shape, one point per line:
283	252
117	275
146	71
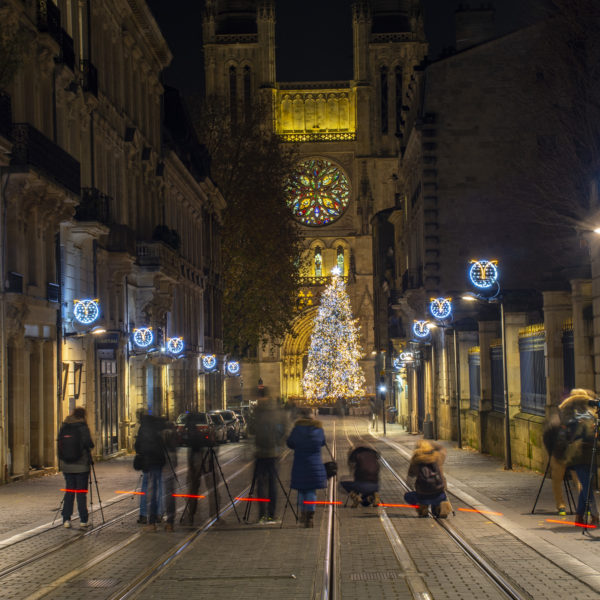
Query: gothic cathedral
350	135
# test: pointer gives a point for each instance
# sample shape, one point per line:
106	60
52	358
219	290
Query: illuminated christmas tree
333	371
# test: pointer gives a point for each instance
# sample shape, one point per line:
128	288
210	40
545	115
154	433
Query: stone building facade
349	127
105	231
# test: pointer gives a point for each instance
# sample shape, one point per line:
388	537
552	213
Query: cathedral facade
349	135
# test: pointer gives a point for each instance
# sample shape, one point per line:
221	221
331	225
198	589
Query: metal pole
457	379
507	449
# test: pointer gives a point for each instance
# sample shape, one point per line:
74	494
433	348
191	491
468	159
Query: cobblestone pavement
379	553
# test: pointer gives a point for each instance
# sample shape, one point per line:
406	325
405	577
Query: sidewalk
481	481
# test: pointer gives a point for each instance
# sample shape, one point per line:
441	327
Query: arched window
233	93
383	77
398	78
247	92
318	262
340	259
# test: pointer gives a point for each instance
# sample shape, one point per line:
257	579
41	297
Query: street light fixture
484	275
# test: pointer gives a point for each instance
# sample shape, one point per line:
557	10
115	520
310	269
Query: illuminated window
318	262
318	192
340	259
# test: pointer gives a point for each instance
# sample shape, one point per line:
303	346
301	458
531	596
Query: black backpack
429	480
70	443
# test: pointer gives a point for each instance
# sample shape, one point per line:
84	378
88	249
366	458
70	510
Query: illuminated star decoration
86	311
441	308
143	336
175	345
333	369
421	329
483	273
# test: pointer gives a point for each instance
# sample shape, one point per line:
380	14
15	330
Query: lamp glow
441	308
143	337
483	273
86	311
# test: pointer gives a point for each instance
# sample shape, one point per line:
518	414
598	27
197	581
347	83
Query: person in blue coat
308	472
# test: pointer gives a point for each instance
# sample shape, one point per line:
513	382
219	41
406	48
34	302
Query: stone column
19	400
488	332
581	291
49	391
36	404
557	308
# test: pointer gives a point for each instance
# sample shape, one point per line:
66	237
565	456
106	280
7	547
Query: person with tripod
74	446
581	426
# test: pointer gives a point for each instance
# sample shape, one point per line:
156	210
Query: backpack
429	480
70	443
150	446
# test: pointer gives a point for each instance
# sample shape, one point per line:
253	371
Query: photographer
581	429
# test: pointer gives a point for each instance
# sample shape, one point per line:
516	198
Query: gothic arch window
398	82
247	92
340	259
318	262
233	99
383	81
318	192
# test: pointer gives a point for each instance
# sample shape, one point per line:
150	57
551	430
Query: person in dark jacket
308	473
430	484
579	453
363	489
150	447
77	472
170	478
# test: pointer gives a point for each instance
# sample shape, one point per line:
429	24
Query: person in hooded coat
308	473
364	464
430	484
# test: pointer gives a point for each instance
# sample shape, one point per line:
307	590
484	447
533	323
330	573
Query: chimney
473	25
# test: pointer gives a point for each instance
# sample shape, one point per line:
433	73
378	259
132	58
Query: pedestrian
430	484
169	476
74	445
150	448
581	429
555	442
269	429
364	488
308	473
200	465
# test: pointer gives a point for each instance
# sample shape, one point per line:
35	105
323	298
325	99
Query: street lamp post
484	275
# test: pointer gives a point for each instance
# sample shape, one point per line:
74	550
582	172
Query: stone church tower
350	135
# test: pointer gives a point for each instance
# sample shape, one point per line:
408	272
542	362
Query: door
109	406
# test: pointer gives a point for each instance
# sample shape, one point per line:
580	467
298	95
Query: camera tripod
208	464
593	465
251	492
567	486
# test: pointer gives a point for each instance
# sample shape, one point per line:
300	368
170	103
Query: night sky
314	37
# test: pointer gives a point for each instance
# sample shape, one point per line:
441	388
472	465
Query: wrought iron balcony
14	283
89	77
317	281
32	148
48	18
412	279
94	206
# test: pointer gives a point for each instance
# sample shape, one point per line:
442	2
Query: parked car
209	432
233	426
243	426
220	426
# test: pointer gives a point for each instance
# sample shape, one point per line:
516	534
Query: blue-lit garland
175	345
86	311
209	362
441	308
233	367
143	337
421	329
398	363
483	273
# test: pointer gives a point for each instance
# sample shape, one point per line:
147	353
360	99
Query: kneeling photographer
581	421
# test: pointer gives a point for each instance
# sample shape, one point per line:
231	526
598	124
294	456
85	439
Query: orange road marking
481	512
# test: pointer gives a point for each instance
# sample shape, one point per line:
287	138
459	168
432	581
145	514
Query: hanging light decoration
483	273
421	329
440	308
233	367
143	337
175	345
86	311
209	362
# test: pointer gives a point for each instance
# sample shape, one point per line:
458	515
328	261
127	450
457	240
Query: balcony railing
412	279
316	281
32	147
157	255
5	115
89	77
14	283
48	18
67	50
94	206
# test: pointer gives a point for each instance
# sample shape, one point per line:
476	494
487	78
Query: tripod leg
216	461
93	470
541	486
287	498
250	493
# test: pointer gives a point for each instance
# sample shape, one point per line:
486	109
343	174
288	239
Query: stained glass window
318	192
340	259
318	262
